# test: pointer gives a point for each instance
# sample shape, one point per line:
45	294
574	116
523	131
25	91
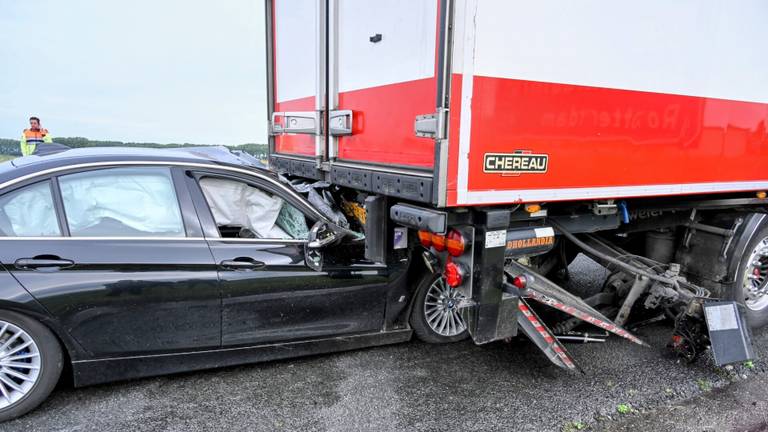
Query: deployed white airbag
136	201
238	204
29	212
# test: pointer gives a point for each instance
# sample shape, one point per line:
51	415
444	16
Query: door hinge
301	122
431	125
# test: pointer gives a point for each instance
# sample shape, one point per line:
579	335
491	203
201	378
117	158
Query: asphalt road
415	386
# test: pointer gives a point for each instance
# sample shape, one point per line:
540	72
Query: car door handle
47	262
242	263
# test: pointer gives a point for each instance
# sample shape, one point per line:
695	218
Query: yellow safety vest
31	138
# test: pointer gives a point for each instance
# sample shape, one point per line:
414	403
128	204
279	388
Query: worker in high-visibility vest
33	136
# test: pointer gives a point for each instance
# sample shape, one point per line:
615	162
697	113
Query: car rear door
117	256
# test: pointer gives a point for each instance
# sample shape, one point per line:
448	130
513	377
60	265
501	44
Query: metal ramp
542	336
540	289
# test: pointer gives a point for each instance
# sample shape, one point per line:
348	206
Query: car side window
122	202
29	212
244	211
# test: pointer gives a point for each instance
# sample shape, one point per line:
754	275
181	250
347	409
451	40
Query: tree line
11	146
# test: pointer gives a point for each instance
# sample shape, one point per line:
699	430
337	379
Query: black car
125	263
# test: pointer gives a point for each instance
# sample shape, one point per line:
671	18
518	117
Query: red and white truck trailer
494	139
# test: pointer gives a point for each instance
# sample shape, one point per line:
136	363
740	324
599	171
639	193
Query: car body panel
126	296
14	297
89	372
288	301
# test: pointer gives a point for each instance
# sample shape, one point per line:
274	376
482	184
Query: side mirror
322	235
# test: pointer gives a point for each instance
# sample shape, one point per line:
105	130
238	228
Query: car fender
14	297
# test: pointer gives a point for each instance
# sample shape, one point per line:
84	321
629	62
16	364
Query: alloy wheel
20	364
441	309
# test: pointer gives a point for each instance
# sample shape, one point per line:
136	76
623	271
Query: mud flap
542	336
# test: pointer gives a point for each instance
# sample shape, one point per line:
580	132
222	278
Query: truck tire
435	317
30	364
750	261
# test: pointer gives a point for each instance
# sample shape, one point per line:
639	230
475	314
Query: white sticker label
544	232
495	238
721	317
401	238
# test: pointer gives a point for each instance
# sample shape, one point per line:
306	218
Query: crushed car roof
212	153
215	154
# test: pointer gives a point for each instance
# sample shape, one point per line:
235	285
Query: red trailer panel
569	101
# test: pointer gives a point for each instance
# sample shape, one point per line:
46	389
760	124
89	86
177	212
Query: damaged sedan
126	263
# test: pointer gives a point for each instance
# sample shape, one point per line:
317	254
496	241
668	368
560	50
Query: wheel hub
441	311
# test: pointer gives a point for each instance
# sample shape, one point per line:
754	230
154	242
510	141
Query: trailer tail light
425	238
438	242
454	243
454	274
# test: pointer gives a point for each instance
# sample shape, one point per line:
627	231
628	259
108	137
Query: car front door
257	232
117	255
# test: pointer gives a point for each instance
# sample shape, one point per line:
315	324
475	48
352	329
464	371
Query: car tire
434	315
750	258
44	353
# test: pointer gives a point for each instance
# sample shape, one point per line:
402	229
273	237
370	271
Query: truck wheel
30	364
751	276
435	316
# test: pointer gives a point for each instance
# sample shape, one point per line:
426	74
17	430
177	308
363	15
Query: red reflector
520	281
438	242
454	275
454	242
425	237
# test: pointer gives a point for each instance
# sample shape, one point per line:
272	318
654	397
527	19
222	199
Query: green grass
624	408
704	384
573	426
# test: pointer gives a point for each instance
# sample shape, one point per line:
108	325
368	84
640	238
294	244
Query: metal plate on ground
729	332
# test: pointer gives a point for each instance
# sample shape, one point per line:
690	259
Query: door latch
340	122
301	122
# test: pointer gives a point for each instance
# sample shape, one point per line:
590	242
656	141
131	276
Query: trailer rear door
383	72
358	95
297	33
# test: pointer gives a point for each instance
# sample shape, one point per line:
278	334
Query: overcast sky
139	70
